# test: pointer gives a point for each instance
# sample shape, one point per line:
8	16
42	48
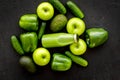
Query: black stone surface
104	61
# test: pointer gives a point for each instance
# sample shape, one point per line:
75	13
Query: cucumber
41	30
58	6
28	64
58	23
75	9
77	59
16	45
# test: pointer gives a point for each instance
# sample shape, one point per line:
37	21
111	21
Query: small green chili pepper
96	37
61	62
41	30
16	45
77	59
29	22
29	41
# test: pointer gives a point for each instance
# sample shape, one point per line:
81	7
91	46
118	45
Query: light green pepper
29	22
96	37
61	62
29	41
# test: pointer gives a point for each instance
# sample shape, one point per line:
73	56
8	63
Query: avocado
58	23
27	63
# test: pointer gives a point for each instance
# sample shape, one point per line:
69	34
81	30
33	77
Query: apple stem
77	45
43	56
75	26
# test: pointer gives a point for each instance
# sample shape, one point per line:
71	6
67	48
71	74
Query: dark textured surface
104	61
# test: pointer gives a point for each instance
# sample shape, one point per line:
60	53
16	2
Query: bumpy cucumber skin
75	9
77	59
58	22
16	45
59	6
41	30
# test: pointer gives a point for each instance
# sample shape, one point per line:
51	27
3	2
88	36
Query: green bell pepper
61	62
96	37
77	59
29	22
29	41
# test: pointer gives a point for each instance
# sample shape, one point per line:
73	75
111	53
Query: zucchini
58	6
16	45
75	9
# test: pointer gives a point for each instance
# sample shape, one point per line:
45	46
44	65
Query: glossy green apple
78	48
41	56
45	11
75	26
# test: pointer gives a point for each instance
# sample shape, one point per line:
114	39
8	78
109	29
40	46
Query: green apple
79	47
41	56
75	26
45	11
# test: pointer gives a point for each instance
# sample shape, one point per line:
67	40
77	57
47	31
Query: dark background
104	61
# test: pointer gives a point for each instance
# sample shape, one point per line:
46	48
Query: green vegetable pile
35	25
